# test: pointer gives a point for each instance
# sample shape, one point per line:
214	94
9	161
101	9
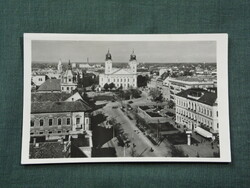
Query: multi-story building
123	77
179	84
197	108
53	120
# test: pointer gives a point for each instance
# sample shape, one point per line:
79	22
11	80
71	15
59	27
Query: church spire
69	66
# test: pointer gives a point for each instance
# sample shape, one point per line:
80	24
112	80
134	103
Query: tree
155	94
171	104
106	86
111	85
135	93
142	81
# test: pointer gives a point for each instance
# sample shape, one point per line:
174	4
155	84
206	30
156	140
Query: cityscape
123	109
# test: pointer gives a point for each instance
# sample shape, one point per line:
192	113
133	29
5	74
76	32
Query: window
67	88
87	121
59	131
50	122
217	113
77	120
59	121
31	133
62	88
69	80
32	123
50	132
71	88
41	122
68	121
40	132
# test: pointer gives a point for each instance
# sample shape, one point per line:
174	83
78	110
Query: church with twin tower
121	77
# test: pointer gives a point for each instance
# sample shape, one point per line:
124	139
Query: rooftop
81	141
195	78
47	150
200	95
50	85
52	97
54	107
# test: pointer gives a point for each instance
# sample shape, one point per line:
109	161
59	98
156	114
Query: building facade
197	108
57	119
176	85
124	77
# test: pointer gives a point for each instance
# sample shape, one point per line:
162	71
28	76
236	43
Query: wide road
142	144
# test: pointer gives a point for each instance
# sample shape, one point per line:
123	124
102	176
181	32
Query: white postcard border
222	82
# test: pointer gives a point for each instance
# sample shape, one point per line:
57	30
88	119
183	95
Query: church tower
68	80
108	63
59	66
133	63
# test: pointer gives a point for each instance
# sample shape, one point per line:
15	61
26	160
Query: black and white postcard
125	98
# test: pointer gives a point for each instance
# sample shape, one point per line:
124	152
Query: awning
203	132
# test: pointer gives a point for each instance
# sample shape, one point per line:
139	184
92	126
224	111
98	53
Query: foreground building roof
55	107
52	97
200	95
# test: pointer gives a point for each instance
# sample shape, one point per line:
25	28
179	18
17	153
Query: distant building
39	79
163	70
143	72
50	86
182	83
68	80
84	66
123	77
197	108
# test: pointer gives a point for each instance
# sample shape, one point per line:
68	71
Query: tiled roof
47	150
52	97
206	97
51	85
55	107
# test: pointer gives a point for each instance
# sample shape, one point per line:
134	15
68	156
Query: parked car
130	102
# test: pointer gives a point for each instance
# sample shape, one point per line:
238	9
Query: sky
146	51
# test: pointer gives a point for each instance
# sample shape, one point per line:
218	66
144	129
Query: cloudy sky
165	52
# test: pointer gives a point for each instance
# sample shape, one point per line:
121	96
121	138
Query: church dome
108	56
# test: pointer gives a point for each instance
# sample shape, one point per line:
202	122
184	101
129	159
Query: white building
39	79
68	80
197	108
179	84
124	77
